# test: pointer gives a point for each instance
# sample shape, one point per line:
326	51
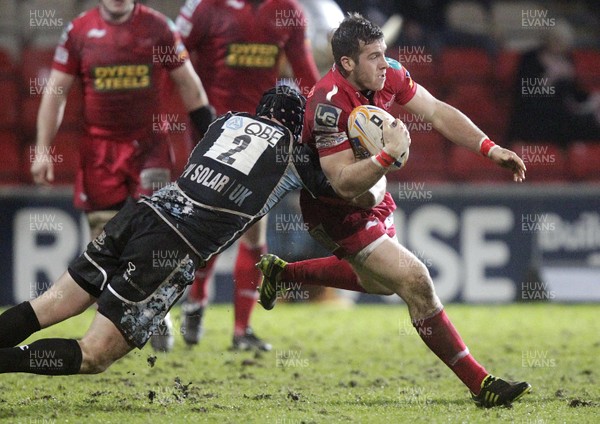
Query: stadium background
483	238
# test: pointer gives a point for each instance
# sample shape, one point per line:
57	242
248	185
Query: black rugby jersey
240	170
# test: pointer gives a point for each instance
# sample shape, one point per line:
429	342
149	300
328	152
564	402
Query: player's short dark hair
285	104
347	37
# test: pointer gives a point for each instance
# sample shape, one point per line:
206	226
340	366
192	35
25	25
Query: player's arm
193	95
373	196
49	118
458	128
351	178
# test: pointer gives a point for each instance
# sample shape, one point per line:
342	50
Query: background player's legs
196	301
397	269
246	279
97	220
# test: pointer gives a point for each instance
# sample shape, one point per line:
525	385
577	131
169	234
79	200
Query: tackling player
238	47
234	176
373	259
122	52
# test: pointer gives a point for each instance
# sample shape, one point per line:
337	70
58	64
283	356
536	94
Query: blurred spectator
549	104
424	23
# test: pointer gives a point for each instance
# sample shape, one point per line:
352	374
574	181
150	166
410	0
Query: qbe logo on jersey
250	138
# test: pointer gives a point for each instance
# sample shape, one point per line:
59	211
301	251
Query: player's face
369	71
116	10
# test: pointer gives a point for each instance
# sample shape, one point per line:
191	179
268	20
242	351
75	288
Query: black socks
46	356
16	324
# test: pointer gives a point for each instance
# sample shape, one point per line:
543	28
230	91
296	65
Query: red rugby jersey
123	68
239	46
333	98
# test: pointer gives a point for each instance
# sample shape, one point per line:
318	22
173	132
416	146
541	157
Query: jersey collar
345	85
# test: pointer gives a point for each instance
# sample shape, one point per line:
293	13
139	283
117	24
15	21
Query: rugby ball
365	132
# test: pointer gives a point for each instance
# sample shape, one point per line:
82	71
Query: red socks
199	291
441	337
437	332
246	278
328	272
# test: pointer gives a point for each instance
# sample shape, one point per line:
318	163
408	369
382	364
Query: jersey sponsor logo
326	141
206	176
252	55
239	194
121	77
96	33
327	117
202	174
265	132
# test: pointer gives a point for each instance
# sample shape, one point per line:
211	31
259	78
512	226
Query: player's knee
419	294
94	361
419	282
93	364
97	220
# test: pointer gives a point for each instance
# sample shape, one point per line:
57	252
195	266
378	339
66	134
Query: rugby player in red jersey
373	259
237	47
122	52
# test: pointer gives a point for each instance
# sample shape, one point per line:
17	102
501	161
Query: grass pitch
360	365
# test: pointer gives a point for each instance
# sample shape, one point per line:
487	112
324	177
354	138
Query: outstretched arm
458	128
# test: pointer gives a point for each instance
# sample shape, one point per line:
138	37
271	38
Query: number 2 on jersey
227	157
237	146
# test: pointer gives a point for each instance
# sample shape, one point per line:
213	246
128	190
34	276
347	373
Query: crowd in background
492	59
